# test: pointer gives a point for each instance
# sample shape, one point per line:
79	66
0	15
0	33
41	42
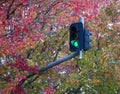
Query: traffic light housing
79	38
76	37
87	40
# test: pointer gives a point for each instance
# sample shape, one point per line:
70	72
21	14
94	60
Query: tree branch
9	8
59	47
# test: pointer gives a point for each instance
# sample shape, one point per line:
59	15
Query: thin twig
9	8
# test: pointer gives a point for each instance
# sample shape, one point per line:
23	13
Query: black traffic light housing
79	38
76	37
87	40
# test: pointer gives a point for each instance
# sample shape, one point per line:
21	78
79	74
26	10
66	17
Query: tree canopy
34	33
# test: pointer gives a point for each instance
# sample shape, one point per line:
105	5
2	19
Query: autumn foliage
34	33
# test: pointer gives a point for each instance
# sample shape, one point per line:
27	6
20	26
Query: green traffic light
74	43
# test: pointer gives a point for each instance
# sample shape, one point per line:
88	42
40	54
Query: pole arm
50	65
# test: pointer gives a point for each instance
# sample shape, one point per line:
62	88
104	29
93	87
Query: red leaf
48	91
118	79
7	79
18	90
76	10
24	2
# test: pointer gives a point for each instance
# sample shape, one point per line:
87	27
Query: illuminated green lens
74	43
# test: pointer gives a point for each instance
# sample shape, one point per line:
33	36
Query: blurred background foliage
97	73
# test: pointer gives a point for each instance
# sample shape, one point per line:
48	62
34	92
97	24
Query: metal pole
80	53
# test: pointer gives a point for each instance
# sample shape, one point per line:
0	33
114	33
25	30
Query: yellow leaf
30	62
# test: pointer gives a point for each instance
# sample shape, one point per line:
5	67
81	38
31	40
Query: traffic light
87	40
76	37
